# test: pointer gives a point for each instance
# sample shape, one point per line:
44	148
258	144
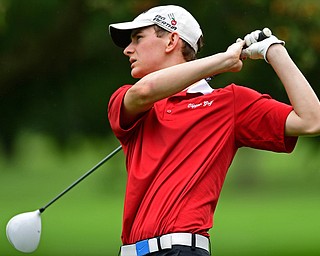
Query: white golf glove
258	50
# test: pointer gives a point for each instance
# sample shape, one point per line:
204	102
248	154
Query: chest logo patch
205	103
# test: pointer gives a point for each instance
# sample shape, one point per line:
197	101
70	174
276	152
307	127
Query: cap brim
121	32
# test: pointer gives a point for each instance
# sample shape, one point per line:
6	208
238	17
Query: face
146	52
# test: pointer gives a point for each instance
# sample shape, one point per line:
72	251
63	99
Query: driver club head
24	230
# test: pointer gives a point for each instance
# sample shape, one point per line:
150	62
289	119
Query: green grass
269	224
269	205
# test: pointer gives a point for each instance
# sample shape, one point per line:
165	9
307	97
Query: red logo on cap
173	21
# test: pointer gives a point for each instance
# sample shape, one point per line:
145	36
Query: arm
305	118
169	81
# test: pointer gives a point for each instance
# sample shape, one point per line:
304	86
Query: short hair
188	52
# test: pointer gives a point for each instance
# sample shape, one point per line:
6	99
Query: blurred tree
58	66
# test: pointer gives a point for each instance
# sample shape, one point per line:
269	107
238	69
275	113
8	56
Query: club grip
265	33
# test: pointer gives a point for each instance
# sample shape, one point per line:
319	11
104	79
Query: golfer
179	135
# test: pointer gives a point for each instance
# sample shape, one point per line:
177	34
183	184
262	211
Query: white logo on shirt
206	103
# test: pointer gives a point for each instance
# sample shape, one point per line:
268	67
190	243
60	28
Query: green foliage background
58	68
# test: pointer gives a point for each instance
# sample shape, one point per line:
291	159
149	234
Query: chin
136	74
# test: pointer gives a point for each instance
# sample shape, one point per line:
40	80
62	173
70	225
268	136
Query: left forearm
306	116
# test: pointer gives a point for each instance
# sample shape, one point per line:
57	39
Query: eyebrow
135	32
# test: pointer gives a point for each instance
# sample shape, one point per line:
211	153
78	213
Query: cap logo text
160	20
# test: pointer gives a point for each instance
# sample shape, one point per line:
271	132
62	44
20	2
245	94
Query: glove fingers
252	37
249	40
258	50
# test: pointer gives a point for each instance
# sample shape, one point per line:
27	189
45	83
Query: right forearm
169	81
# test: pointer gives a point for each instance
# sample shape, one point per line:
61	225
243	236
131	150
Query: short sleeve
260	121
114	115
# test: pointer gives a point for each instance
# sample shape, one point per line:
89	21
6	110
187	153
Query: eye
138	37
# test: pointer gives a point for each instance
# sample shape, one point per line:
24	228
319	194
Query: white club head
24	230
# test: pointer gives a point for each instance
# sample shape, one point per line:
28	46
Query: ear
173	41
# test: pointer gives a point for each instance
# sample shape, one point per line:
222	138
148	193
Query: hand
258	50
234	52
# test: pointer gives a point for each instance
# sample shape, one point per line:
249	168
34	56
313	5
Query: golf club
24	230
265	33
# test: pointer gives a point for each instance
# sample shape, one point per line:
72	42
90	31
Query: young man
179	135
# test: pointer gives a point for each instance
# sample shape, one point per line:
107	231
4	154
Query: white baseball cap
170	17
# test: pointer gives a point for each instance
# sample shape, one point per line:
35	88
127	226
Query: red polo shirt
178	154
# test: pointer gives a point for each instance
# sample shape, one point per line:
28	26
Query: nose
128	50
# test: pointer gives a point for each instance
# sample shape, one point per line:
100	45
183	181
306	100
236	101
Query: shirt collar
200	87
